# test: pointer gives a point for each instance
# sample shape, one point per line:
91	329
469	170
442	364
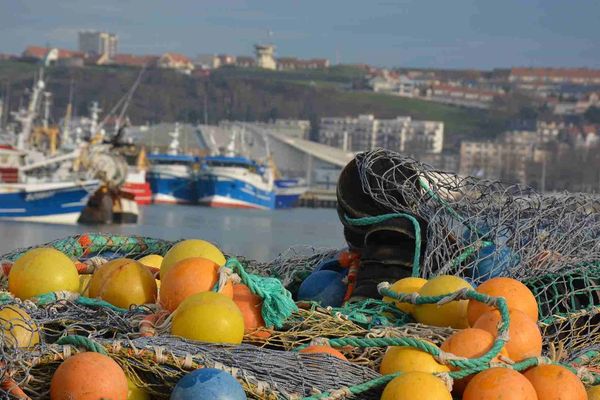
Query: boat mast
68	113
174	145
26	119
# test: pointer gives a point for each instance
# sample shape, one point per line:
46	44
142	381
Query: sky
481	34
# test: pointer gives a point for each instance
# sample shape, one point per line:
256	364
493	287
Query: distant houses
170	60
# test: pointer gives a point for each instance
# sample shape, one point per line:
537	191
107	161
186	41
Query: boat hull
45	202
218	191
288	192
172	189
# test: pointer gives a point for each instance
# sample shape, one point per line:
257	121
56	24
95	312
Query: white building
98	43
391	84
265	56
366	132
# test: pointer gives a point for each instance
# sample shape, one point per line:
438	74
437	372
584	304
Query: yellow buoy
208	317
41	271
18	330
405	285
123	282
452	314
84	284
416	386
407	359
594	393
152	260
188	249
135	393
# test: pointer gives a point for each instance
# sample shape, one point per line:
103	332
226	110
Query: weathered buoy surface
41	271
89	376
188	249
18	329
188	277
454	313
325	287
208	384
416	386
123	282
209	317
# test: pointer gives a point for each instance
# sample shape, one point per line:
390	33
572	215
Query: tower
265	56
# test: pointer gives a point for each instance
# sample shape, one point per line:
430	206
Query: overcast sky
419	33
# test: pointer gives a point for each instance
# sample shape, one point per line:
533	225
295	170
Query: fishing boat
172	175
235	181
37	183
41	200
288	192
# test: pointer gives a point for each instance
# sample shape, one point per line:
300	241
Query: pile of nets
460	226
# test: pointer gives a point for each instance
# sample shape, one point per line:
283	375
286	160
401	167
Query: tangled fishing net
460	226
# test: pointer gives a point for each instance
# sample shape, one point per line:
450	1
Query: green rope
278	304
47	298
383	380
82	341
498	302
371	313
366	221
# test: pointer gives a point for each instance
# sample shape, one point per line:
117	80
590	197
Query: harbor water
255	234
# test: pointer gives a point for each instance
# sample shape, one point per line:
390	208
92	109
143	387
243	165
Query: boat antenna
205	104
123	102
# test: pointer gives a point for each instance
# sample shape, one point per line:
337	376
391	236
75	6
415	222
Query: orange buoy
553	382
323	350
517	295
89	376
499	384
469	343
188	277
251	307
525	336
123	282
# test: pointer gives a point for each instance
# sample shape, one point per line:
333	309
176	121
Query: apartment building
366	132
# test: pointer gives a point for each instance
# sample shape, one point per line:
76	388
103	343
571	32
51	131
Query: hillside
239	94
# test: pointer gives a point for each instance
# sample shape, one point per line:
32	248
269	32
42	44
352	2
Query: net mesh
479	229
472	228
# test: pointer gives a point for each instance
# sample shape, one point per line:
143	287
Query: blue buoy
208	384
493	261
325	287
331	265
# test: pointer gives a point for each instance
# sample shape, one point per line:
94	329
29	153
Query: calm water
256	234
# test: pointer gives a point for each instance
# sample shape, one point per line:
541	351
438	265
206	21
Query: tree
592	115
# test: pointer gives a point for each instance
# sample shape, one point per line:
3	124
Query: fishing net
479	229
449	224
